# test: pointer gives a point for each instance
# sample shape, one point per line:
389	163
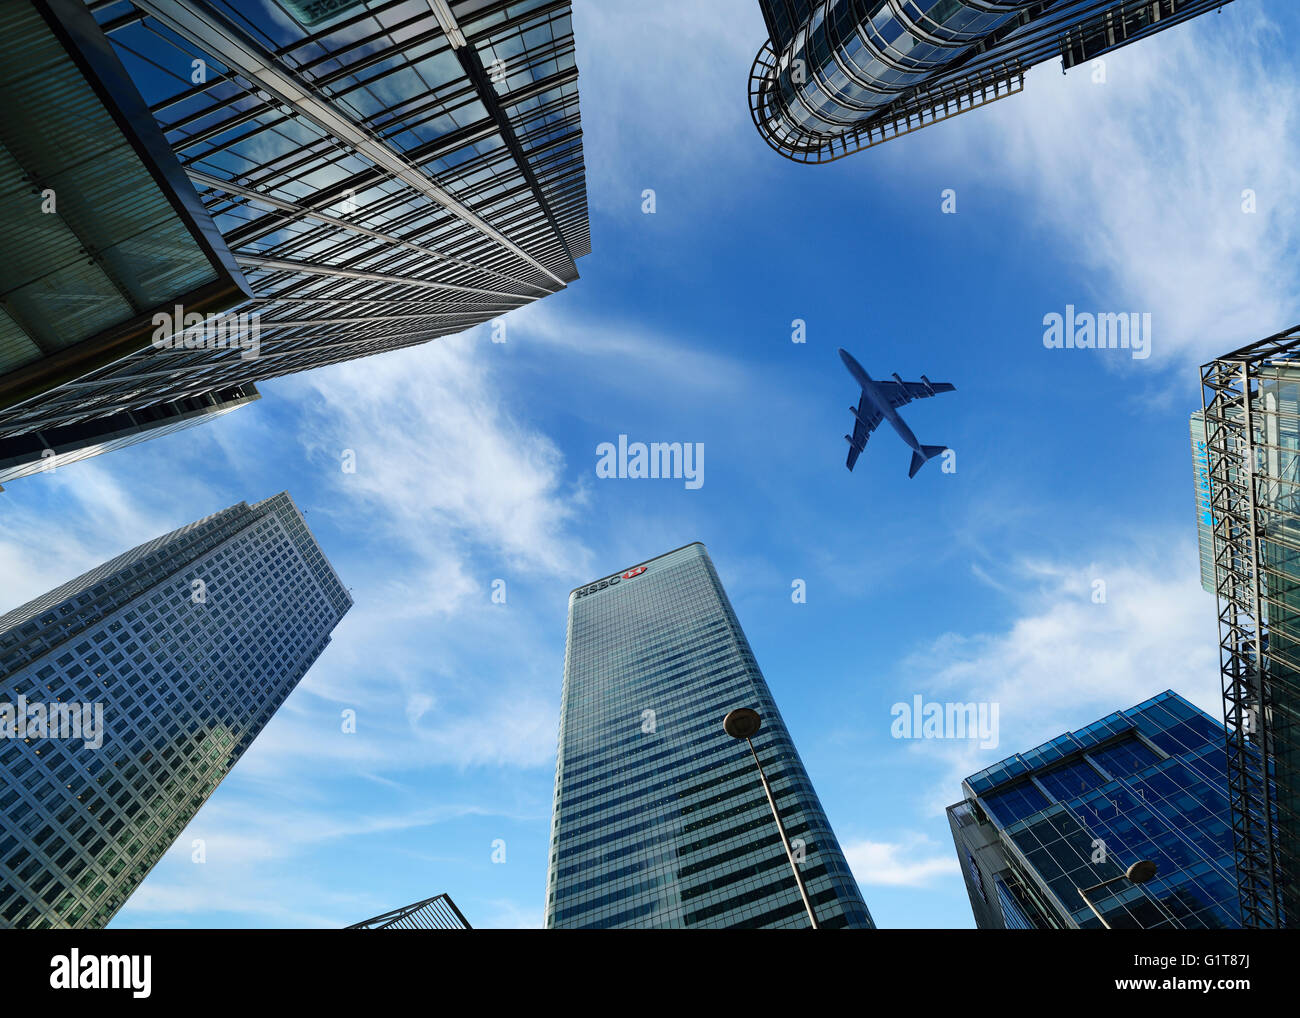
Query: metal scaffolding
436	913
1252	428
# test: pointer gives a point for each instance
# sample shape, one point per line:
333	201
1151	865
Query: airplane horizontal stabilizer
927	453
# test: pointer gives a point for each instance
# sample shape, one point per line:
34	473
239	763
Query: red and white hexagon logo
634	572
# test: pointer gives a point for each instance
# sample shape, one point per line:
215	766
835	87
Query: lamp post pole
743	723
1139	873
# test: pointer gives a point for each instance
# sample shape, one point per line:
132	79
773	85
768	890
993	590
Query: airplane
880	401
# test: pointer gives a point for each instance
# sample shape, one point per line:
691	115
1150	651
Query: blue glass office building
183	648
1145	783
836	76
660	819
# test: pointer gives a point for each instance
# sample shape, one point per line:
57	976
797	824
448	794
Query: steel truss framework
1073	30
403	173
436	913
1252	433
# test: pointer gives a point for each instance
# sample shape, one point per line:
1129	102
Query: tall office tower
436	913
1147	783
1204	518
127	694
249	190
660	819
836	76
1252	423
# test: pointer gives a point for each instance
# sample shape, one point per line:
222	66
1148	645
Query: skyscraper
128	693
836	76
368	177
660	819
1146	783
1252	424
436	913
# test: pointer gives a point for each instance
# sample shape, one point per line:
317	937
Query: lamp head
742	723
1141	871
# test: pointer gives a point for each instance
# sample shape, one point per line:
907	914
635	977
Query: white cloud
252	868
441	462
234	835
160	903
1064	661
626	355
913	862
101	517
507	725
450	492
694	58
1141	180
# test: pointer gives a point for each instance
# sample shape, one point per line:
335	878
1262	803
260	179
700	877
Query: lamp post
1139	873
743	723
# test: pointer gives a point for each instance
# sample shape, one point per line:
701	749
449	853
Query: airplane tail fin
927	453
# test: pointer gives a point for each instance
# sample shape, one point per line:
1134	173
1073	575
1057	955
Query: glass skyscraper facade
660	819
1145	783
374	174
1251	400
166	661
836	76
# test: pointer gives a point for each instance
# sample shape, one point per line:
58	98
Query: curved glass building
839	75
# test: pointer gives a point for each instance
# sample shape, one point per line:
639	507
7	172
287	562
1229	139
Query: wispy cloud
1142	179
630	355
1065	658
101	516
439	490
441	461
913	862
251	869
694	59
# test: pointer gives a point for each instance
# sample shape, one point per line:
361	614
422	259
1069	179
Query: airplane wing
865	420
901	393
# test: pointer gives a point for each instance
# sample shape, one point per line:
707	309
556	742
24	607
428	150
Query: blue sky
476	462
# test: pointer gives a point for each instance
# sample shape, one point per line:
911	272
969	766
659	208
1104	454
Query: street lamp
1139	873
743	723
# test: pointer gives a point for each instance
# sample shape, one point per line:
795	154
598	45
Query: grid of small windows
419	189
188	667
660	820
1146	783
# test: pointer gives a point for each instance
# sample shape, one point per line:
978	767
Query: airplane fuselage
879	400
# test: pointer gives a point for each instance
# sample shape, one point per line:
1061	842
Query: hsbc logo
602	584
